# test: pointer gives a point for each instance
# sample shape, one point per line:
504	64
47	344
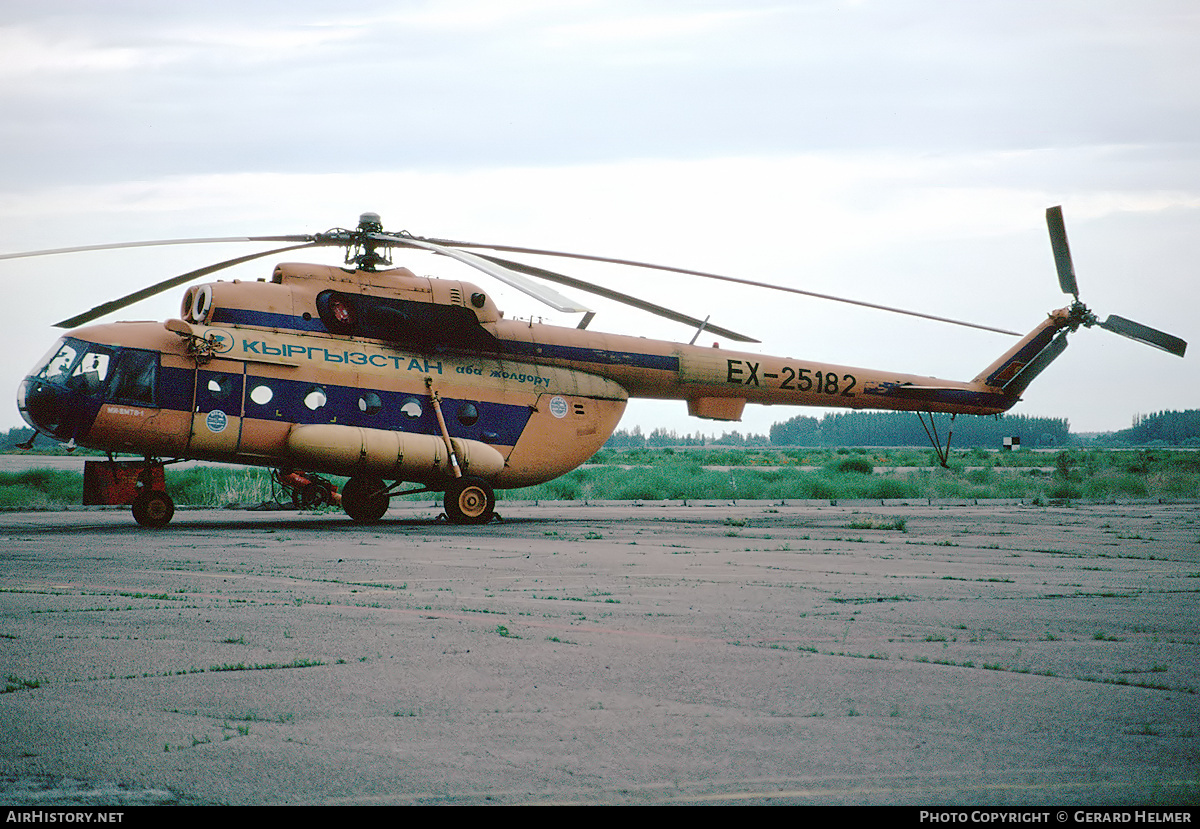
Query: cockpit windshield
77	365
56	365
124	374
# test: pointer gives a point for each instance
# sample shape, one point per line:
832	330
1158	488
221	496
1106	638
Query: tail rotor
1080	315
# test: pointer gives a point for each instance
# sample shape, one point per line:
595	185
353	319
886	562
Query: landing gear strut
931	432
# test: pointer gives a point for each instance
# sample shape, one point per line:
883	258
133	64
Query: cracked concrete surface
991	654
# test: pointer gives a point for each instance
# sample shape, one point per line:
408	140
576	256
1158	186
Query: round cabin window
370	403
315	398
468	414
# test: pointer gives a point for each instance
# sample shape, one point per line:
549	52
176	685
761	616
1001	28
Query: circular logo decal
221	341
558	406
216	421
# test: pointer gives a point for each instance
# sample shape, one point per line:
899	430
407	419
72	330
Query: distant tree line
1170	428
904	429
10	439
623	439
867	429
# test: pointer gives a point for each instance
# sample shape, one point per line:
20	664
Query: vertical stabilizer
1018	367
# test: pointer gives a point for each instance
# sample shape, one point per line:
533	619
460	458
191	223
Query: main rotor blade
1062	251
1144	333
167	284
640	304
122	245
539	292
733	279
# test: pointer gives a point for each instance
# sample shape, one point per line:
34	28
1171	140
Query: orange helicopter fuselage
361	372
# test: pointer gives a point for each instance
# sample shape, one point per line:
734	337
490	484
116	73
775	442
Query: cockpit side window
90	372
134	378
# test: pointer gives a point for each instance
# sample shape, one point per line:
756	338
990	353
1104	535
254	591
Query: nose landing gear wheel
470	501
153	508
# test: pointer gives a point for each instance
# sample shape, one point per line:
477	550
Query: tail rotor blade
1143	333
1117	325
1062	252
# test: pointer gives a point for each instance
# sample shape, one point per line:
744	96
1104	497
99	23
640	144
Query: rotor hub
363	252
1080	315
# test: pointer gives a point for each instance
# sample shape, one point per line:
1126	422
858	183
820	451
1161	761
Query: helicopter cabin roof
396	278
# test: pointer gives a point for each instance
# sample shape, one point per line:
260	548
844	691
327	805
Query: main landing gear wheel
365	499
153	508
470	501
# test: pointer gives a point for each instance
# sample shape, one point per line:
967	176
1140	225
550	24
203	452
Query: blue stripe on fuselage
496	423
602	356
266	319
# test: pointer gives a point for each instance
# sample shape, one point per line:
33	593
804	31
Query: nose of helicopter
38	404
48	408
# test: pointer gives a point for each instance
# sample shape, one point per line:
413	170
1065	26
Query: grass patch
15	683
219	486
739	474
817	474
899	524
270	666
40	489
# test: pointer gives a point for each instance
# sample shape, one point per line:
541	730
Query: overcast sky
897	152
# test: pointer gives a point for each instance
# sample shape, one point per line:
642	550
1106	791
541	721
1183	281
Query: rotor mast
364	252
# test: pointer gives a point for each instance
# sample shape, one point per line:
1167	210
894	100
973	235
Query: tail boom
717	383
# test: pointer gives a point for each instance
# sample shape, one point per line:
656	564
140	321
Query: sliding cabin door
218	409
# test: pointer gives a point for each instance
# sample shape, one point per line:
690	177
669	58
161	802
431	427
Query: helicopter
370	371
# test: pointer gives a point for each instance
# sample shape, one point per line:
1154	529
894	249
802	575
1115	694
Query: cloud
118	92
